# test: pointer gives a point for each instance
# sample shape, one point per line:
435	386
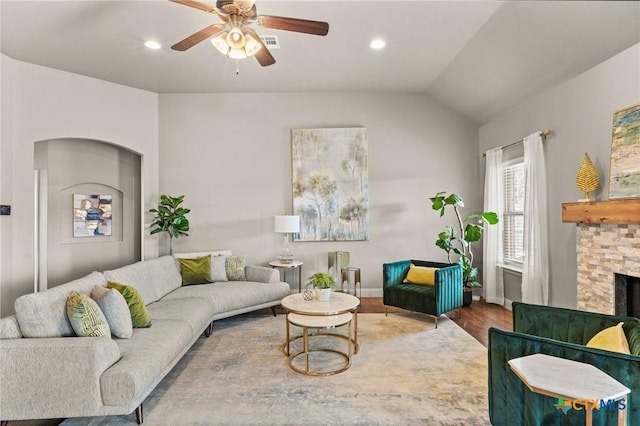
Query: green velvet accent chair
563	333
434	300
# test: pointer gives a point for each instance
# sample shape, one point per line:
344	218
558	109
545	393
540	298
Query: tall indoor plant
470	231
170	218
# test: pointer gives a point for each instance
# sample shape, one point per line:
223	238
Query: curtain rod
544	134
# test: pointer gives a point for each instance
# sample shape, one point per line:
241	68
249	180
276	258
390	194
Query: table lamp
286	224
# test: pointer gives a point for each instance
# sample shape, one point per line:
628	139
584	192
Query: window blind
513	214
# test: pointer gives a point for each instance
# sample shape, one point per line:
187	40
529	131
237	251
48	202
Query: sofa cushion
115	310
610	339
139	315
218	269
196	312
144	360
232	295
44	314
9	328
196	271
86	317
152	278
235	268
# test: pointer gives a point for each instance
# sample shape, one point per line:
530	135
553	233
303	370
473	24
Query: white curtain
535	269
492	239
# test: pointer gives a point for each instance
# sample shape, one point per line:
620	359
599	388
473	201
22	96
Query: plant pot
467	297
323	294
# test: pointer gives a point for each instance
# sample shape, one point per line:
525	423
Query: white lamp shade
286	224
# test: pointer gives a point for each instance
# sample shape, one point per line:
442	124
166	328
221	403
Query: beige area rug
407	372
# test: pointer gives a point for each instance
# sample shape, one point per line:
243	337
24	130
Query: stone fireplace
604	251
627	295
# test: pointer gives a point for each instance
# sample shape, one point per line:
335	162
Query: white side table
293	265
571	380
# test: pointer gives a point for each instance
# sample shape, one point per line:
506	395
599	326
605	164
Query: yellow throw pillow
139	315
611	339
421	275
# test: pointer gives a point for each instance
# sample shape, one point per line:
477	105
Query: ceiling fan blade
196	38
263	55
293	24
197	5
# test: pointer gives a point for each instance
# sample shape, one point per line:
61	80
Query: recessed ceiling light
377	43
151	44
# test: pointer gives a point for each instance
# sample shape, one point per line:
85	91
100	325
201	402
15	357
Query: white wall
230	155
579	112
41	103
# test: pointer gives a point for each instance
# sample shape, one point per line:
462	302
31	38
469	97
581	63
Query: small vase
323	294
308	295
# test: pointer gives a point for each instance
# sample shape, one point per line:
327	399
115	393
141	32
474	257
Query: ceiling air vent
271	41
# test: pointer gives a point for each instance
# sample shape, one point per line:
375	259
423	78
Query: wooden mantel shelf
622	212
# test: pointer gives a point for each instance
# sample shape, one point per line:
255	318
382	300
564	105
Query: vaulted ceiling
477	57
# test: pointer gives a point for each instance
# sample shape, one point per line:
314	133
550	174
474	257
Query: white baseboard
371	292
507	304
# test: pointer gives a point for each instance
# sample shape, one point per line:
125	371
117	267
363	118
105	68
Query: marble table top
338	303
280	264
565	378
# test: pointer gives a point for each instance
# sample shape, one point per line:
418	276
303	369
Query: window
513	181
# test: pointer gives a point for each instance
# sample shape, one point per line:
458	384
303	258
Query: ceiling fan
235	37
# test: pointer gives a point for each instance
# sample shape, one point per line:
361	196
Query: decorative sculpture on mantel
587	179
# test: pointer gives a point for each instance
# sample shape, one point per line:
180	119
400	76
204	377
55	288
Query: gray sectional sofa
47	373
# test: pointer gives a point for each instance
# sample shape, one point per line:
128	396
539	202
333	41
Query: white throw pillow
115	309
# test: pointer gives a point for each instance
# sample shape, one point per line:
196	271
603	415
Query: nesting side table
291	266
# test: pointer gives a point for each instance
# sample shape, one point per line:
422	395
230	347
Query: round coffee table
320	314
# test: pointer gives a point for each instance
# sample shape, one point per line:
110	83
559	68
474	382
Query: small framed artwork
91	215
624	169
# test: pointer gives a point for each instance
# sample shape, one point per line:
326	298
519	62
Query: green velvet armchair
562	333
434	300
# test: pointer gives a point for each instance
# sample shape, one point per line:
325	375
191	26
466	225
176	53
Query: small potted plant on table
323	283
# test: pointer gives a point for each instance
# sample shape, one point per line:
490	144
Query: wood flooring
475	320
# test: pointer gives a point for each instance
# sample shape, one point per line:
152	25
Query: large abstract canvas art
624	171
330	184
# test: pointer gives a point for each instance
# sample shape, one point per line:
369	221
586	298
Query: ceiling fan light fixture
220	43
252	46
237	53
244	4
235	39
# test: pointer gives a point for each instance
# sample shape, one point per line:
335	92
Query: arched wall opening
88	209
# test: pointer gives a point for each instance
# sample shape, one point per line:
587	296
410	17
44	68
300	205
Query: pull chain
237	67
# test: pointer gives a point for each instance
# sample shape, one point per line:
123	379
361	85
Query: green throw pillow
235	268
85	316
196	271
139	315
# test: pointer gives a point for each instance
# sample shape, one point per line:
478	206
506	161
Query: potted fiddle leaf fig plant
323	283
171	218
470	231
